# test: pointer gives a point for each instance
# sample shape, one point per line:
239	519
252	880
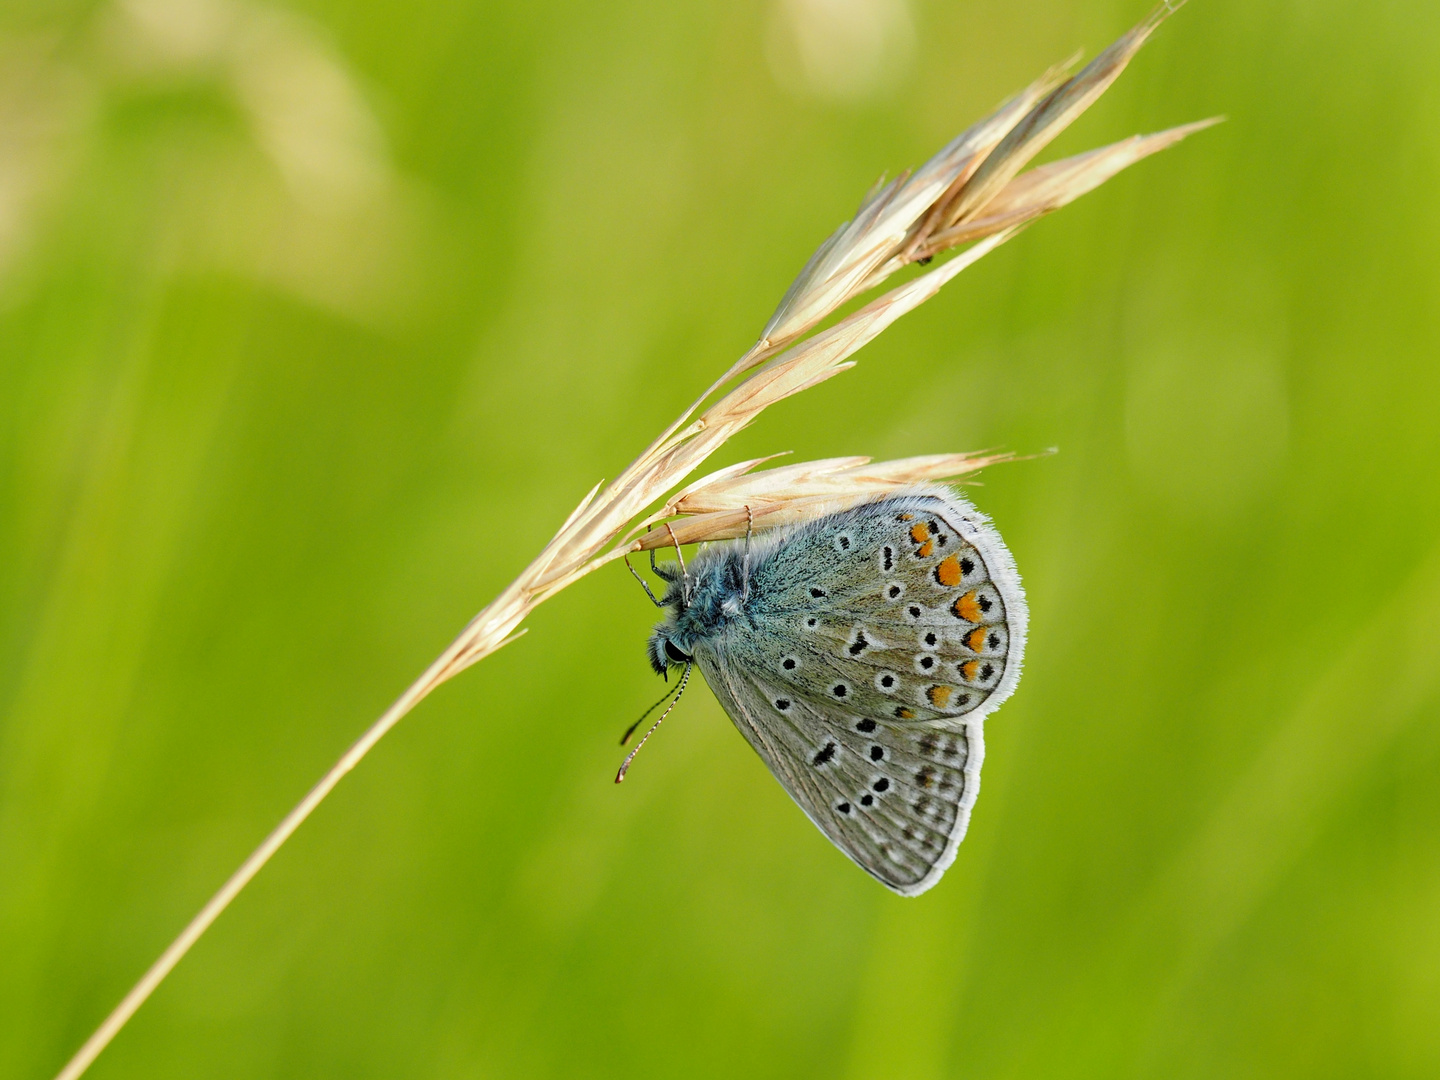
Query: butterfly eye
675	655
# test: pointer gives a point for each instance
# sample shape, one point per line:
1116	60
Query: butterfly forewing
878	639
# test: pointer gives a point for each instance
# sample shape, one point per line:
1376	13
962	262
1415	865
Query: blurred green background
316	318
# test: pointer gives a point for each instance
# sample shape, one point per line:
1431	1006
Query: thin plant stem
252	866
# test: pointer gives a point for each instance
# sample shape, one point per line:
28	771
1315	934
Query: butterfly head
668	648
698	608
672	642
700	604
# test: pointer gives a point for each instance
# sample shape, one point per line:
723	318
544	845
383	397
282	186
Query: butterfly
858	654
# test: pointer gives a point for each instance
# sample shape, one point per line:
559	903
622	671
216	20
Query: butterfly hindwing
876	642
894	797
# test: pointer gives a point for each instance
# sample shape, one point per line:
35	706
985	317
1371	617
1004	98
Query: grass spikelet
722	505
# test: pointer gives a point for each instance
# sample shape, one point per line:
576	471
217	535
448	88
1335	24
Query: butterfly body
858	655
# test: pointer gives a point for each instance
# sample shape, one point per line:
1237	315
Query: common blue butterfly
858	654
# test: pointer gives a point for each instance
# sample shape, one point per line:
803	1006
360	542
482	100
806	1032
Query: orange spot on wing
975	639
939	696
967	607
926	549
904	714
907	517
968	669
919	532
948	572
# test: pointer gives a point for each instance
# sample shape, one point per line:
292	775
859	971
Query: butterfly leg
745	566
684	574
643	583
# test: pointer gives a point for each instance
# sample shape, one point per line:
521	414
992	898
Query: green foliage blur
317	318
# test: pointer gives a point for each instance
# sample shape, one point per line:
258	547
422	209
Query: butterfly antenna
625	766
631	729
745	567
684	574
644	585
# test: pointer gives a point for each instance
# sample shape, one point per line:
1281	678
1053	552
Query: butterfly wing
879	640
901	814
